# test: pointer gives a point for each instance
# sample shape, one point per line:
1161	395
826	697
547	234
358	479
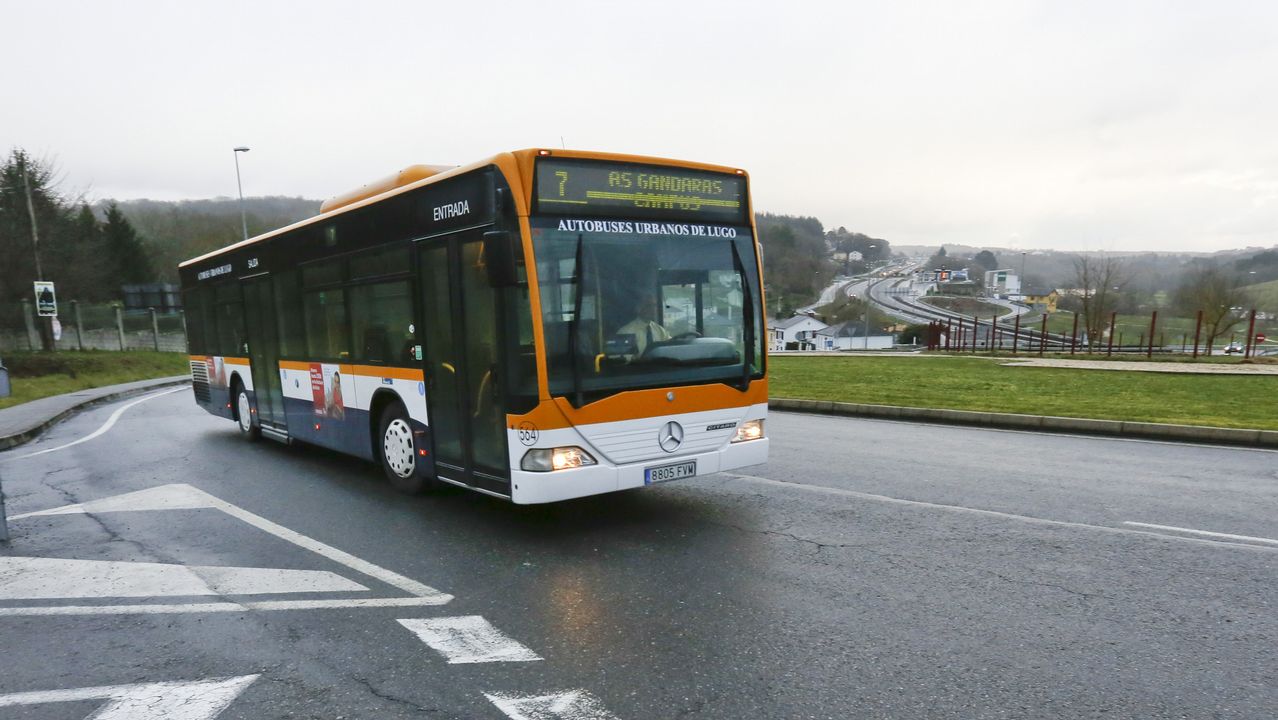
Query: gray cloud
1132	125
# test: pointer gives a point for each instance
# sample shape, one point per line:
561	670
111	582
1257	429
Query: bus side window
288	311
326	325
193	308
381	314
229	313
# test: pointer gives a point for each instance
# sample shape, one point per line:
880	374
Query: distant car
1233	347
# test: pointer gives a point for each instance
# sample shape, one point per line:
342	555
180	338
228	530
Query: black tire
244	415
396	448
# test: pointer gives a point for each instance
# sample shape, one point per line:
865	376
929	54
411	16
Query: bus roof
416	176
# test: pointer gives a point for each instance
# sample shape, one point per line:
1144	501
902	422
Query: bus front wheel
244	414
399	451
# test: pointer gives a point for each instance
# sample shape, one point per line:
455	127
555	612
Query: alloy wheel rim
397	448
246	417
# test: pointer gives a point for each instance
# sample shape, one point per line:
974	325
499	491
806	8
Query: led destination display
626	189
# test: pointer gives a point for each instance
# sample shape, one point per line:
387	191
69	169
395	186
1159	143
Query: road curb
40	423
1045	423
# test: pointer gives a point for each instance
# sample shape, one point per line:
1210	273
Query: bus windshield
629	304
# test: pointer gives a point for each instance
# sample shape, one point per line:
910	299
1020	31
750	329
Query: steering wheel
687	335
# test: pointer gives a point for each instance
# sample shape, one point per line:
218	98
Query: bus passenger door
462	363
264	349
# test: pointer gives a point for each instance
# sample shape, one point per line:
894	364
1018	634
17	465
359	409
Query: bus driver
645	328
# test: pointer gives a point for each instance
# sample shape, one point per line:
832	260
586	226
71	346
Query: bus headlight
749	430
560	458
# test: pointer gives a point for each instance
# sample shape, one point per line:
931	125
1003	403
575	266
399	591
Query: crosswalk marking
164	497
186	497
197	700
31	578
570	705
468	639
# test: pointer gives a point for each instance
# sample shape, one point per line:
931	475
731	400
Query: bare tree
1099	279
1216	293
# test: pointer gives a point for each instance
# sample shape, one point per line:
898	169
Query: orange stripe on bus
559	413
225	360
387	372
371	371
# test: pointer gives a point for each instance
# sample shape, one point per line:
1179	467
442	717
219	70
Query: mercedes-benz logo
670	437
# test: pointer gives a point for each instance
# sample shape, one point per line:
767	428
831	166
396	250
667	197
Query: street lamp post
240	187
869	301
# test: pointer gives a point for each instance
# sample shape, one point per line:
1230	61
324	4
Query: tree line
1215	293
90	250
45	235
801	257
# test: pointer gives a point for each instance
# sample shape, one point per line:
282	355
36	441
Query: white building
851	336
800	329
1001	283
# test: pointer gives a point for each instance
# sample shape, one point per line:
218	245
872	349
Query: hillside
1264	295
175	231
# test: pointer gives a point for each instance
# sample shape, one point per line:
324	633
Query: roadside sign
46	302
1260	337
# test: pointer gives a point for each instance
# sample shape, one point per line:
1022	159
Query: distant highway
898	297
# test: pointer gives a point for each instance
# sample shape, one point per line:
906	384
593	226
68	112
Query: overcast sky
1064	124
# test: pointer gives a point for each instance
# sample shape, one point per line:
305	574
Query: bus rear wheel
398	451
244	414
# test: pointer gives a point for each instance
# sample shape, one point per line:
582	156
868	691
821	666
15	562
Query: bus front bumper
529	488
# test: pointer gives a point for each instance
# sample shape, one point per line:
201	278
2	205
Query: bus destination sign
583	187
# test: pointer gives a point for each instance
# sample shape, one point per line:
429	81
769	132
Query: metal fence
1247	333
86	326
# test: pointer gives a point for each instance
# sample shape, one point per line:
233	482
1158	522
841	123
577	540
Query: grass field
1264	295
985	385
36	375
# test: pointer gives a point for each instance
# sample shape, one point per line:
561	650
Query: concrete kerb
110	393
1044	423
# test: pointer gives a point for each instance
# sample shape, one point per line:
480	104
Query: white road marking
174	609
571	705
180	495
32	578
164	497
105	426
198	700
468	639
1228	536
988	513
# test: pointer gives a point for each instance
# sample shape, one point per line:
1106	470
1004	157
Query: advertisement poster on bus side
326	391
217	371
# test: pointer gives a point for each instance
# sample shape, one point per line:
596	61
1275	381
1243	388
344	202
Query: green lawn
36	375
1264	295
985	385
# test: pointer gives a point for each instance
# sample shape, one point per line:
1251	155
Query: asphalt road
871	570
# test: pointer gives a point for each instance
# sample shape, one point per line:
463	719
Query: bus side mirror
499	258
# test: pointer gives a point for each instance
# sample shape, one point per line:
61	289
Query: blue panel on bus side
219	402
349	433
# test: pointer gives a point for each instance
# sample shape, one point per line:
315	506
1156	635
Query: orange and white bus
540	325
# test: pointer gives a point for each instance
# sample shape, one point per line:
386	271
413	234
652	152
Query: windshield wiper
747	310
573	331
